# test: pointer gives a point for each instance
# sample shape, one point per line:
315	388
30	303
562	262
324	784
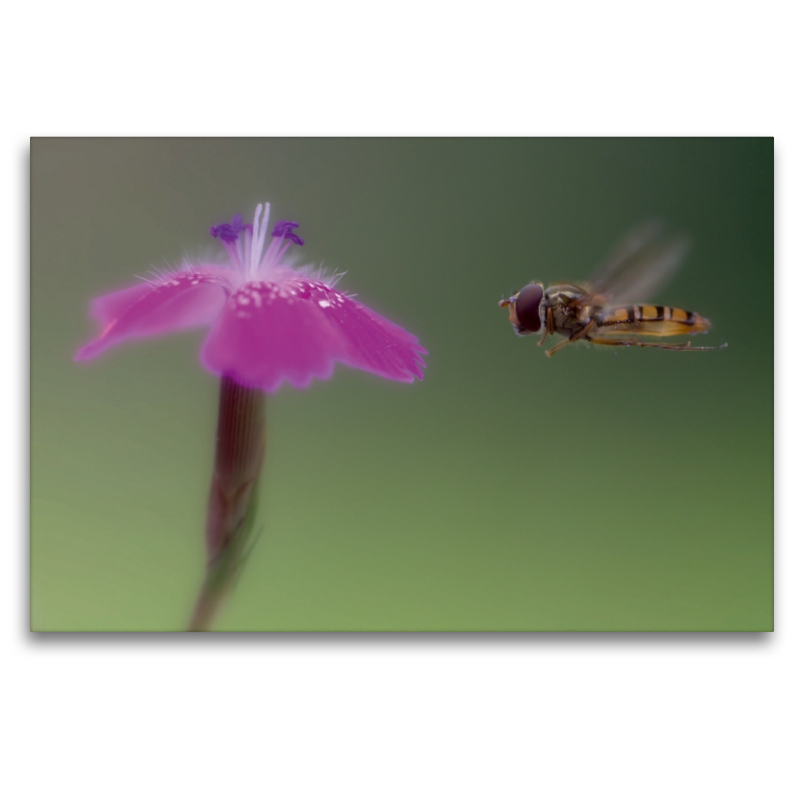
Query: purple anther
284	229
229	232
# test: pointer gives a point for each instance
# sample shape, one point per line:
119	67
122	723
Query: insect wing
640	265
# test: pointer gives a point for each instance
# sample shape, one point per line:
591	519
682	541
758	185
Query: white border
466	716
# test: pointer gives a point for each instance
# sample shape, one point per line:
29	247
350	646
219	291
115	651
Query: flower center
247	253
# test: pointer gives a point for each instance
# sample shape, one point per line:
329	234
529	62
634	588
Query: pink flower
270	322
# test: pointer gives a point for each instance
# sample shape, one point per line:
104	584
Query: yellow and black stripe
652	320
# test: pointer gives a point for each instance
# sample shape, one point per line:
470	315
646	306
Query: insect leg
639	343
552	350
548	325
576	335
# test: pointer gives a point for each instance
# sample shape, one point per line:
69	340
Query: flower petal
108	307
181	300
295	329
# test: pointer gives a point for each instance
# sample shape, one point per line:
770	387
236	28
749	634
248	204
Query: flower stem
241	442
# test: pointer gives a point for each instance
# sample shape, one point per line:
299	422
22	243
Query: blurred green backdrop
598	490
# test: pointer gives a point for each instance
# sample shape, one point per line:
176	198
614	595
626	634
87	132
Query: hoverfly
600	310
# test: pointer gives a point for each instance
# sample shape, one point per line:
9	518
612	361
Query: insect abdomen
653	320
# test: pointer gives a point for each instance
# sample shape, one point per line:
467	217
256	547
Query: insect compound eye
527	307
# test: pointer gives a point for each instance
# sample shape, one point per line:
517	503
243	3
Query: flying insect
607	309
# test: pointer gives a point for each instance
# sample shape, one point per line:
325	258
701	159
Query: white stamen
248	247
239	251
259	237
254	246
287	243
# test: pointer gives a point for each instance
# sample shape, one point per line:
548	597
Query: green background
602	489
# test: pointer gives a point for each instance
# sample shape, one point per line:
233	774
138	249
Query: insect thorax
568	316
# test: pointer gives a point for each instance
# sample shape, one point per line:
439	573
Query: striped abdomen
650	320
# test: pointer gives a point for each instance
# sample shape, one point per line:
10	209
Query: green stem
241	442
